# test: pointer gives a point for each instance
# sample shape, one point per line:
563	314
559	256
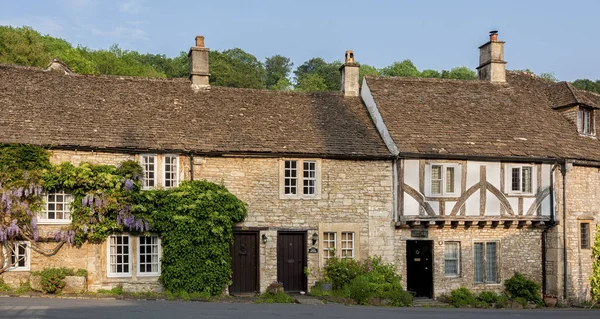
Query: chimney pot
494	36
200	41
349	56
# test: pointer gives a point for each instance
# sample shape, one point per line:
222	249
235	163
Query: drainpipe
395	189
191	167
545	231
566	168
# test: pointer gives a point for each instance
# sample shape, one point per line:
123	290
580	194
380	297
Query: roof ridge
571	89
417	79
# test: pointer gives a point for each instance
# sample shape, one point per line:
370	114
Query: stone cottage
486	171
460	183
315	175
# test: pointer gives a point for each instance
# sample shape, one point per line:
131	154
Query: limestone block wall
352	192
519	249
583	206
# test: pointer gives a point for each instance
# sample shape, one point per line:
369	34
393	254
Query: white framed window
309	177
57	208
290	181
585	121
300	178
452	259
149	165
170	171
119	256
485	262
329	244
148	255
347	242
521	179
19	256
442	180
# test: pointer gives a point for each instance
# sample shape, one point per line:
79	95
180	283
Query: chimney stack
198	56
492	66
349	72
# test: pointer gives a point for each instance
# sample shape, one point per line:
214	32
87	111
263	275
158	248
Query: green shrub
360	290
399	297
342	271
279	297
521	301
518	286
23	287
116	291
502	301
317	291
52	280
4	287
462	297
81	273
487	298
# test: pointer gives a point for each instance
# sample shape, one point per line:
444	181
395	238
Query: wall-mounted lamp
315	238
264	238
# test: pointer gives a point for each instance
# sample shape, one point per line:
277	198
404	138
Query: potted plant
550	300
275	287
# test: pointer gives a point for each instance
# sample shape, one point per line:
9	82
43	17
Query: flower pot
550	301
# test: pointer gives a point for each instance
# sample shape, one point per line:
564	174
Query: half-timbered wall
481	190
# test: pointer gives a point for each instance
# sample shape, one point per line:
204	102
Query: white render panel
411	174
472	205
492	172
514	204
546	206
546	175
436	206
411	206
492	204
473	174
527	201
449	207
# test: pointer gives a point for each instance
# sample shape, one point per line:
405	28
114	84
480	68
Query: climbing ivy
595	278
195	220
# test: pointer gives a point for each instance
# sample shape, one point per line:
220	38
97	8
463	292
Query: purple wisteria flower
128	185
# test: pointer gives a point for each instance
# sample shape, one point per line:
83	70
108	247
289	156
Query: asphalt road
71	308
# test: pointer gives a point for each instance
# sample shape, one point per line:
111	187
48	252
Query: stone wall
352	192
519	249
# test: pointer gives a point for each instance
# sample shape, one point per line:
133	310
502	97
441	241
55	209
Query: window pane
451	257
450	179
516	179
290	177
527	187
118	254
171	171
329	243
436	179
491	267
310	177
478	262
149	167
58	206
347	245
585	235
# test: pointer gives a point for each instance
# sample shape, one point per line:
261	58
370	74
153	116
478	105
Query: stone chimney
198	56
492	66
349	71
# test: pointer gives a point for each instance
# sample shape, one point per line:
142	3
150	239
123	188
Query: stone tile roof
477	118
108	112
564	94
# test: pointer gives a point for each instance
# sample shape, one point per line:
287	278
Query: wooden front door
244	253
291	260
419	264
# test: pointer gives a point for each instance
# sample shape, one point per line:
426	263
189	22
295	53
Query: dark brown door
291	260
419	262
244	253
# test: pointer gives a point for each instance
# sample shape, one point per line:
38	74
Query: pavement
20	307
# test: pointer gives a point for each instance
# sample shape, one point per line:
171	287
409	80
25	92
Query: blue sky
544	36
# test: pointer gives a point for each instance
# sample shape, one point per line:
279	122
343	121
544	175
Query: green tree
277	68
328	72
548	76
22	46
236	68
366	69
405	68
283	84
586	84
431	74
311	82
460	73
